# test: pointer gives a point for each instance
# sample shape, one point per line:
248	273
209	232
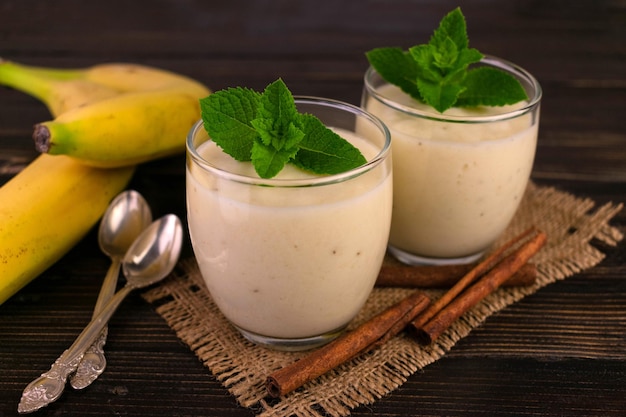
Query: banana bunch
110	115
140	113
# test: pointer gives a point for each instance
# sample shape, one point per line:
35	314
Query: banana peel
45	210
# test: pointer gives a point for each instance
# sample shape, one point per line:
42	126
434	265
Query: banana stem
38	82
41	136
11	75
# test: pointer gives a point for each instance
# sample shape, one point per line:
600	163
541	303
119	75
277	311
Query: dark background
560	352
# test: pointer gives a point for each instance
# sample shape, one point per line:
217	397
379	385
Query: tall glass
458	176
290	261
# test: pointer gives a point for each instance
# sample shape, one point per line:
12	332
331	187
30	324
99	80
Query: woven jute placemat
571	224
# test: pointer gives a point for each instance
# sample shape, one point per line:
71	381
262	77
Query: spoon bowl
154	253
127	216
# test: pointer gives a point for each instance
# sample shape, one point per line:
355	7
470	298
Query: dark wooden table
559	352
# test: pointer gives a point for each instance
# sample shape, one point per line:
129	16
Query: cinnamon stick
367	336
469	278
442	276
434	321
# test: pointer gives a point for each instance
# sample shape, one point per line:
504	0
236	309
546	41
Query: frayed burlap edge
185	304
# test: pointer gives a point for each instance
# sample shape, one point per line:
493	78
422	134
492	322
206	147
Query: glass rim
489	60
316	181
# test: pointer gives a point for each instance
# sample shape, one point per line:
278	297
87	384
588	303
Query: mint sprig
438	73
267	129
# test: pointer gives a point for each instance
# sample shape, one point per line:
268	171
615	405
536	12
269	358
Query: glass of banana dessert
464	130
290	260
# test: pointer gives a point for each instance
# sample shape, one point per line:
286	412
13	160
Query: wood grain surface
559	352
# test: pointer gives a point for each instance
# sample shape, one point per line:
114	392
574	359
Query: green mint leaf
446	56
443	62
269	161
426	69
268	130
469	56
440	95
488	86
452	27
277	127
277	117
440	70
323	151
227	117
397	67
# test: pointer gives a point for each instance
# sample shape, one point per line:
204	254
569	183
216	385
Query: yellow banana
45	210
134	77
123	130
59	90
141	113
113	77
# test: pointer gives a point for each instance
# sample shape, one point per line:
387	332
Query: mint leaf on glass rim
440	74
324	151
267	129
491	87
397	67
441	94
226	116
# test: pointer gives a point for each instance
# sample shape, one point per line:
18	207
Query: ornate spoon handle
50	385
93	361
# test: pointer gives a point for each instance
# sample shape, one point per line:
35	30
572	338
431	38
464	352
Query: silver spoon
126	217
151	257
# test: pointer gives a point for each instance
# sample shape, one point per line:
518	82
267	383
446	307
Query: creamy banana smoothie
459	175
464	133
290	260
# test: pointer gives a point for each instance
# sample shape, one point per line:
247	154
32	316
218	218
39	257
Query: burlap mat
182	300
